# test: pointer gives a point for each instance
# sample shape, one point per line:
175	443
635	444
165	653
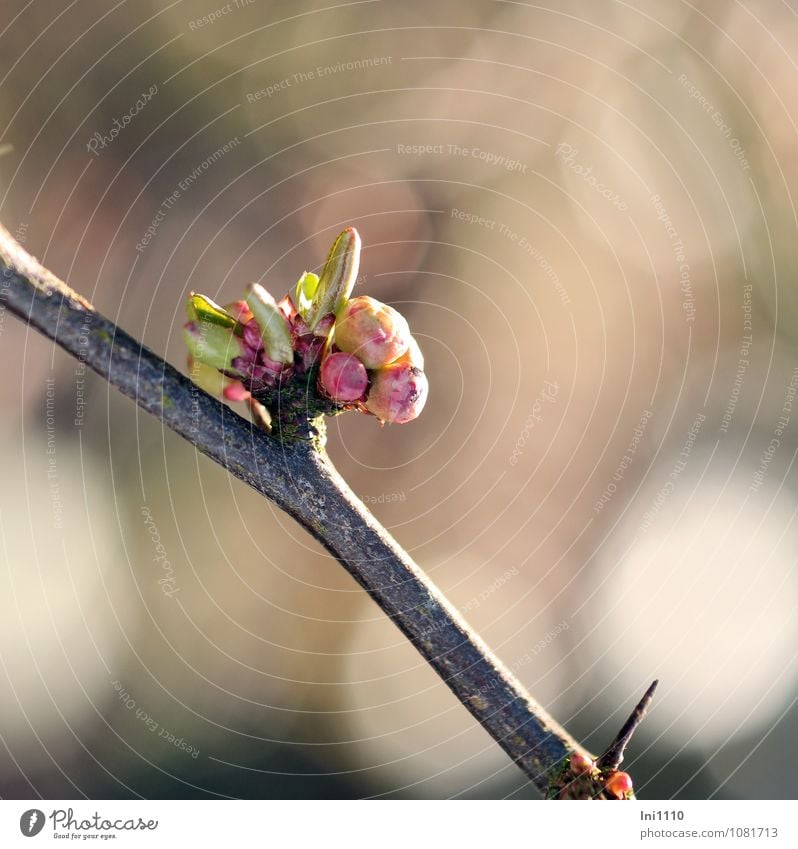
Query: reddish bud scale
324	326
287	307
256	370
239	310
308	345
252	336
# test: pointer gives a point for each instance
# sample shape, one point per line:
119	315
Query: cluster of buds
315	351
615	784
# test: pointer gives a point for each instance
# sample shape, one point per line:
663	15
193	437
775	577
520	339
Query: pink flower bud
398	393
580	763
374	332
412	356
343	377
619	784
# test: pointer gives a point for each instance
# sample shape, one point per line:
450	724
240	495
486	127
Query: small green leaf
309	283
200	308
306	288
273	325
206	377
212	344
337	278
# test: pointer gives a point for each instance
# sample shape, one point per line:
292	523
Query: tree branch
304	483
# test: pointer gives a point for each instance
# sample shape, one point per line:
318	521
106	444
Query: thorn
611	759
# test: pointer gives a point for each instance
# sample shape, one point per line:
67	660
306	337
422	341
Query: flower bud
398	393
275	331
580	763
412	356
374	332
212	344
619	784
343	377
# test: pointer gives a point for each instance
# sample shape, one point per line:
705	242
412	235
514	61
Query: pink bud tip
398	393
374	332
580	763
235	391
619	784
343	377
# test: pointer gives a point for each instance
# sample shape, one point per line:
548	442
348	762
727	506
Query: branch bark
304	483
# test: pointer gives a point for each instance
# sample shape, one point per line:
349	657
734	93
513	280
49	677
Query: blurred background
586	211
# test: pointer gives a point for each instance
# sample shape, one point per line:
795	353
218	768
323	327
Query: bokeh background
586	211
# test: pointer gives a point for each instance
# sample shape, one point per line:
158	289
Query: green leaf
212	344
273	325
200	308
306	288
337	278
